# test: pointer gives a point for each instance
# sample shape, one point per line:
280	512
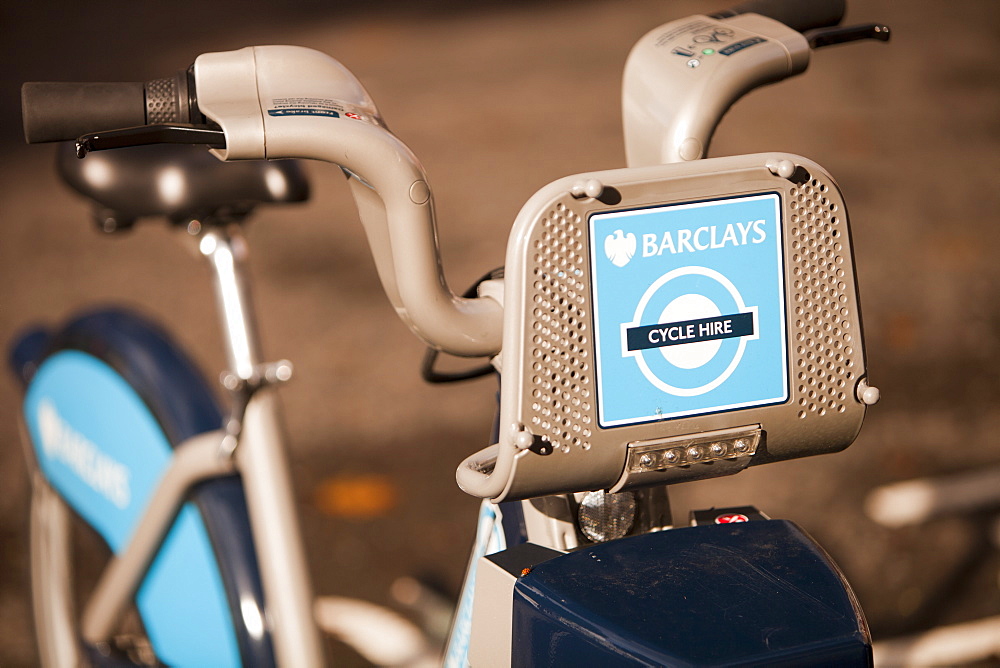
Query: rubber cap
62	111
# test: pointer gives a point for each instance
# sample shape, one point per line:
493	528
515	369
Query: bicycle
696	441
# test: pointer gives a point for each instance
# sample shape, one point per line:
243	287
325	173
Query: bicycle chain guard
674	323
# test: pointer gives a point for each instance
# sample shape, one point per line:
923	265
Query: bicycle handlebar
170	100
290	102
294	102
800	15
44	105
62	111
682	77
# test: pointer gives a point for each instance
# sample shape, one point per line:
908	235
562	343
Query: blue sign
303	111
689	309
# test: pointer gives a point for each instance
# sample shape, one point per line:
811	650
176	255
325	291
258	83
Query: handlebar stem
292	102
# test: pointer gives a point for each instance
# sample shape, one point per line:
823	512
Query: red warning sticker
731	518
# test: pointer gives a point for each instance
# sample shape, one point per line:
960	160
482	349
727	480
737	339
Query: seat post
225	248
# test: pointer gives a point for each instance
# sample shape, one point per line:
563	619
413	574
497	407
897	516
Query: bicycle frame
260	459
397	210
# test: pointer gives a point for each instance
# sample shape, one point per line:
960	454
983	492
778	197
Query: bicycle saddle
180	182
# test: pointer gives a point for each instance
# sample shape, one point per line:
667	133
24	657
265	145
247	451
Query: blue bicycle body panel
104	408
750	594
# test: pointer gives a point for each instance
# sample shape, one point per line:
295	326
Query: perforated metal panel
825	355
552	438
562	402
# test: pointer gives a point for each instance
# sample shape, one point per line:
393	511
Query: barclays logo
619	247
60	442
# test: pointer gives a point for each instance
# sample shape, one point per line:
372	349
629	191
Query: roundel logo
700	331
619	247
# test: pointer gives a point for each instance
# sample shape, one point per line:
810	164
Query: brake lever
821	37
179	133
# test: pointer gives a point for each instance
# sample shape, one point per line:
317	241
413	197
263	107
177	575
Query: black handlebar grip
799	15
60	111
64	111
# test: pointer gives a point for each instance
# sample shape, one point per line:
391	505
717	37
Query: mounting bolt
278	372
782	168
868	394
591	188
523	439
230	381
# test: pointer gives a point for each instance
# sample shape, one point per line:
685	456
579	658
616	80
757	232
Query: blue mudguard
107	399
750	594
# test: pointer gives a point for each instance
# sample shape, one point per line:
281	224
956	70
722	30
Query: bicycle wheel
107	399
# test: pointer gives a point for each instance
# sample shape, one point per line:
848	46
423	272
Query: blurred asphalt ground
498	99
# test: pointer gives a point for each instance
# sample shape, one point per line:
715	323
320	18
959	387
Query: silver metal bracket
242	390
270	373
